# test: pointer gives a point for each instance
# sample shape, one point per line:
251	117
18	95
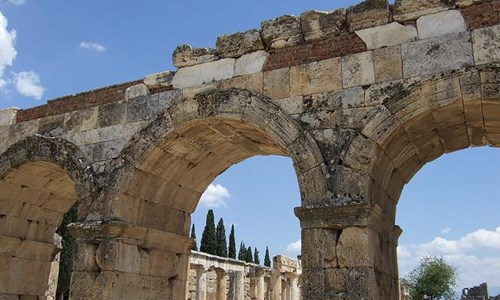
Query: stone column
342	253
116	260
236	285
201	283
221	284
275	285
261	292
293	286
285	289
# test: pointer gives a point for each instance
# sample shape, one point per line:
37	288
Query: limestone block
8	116
315	77
158	80
37	251
466	3
441	24
367	14
319	247
237	44
336	280
292	105
388	64
142	108
436	55
320	24
185	56
85	257
29	278
250	63
282	32
51	126
204	73
486	45
362	283
357	69
253	82
168	98
81	120
404	10
112	114
357	247
162	263
136	91
113	255
352	97
24	129
277	83
387	35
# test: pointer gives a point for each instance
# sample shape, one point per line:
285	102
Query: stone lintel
98	231
338	216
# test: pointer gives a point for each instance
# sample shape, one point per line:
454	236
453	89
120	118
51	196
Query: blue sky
54	48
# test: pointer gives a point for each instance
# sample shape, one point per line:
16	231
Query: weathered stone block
282	32
85	257
362	284
388	64
436	55
357	247
441	24
292	105
369	13
253	82
158	80
277	83
81	120
142	108
8	116
466	3
136	91
237	44
204	73
185	56
111	114
113	255
357	69
404	10
387	35
250	63
320	24
320	247
486	45
315	77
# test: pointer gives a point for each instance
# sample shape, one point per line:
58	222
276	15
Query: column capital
98	231
339	216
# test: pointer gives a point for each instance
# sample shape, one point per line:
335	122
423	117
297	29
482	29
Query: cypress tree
249	257
243	252
193	236
220	232
232	244
208	238
267	260
256	258
67	253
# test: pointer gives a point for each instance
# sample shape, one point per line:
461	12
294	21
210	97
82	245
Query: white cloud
7	50
475	255
28	84
215	196
446	230
92	46
294	248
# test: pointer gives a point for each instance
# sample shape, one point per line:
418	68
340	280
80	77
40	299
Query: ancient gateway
359	99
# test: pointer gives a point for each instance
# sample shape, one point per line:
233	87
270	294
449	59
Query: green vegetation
432	279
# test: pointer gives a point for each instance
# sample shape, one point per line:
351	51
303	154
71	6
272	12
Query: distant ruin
359	98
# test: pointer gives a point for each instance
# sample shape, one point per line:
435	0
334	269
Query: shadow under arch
185	148
40	179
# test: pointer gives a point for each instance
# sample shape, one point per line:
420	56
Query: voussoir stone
404	10
367	14
319	24
486	45
282	32
441	24
185	55
159	80
237	44
387	35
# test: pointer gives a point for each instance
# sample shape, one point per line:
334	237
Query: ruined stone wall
359	98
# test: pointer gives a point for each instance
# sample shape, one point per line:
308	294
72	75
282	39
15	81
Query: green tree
208	238
256	258
232	244
193	236
220	232
267	260
68	249
249	256
432	279
242	254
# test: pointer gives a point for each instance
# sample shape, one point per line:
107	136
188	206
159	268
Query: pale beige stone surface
157	80
204	73
440	24
387	35
358	69
250	63
282	32
319	24
316	77
486	45
388	64
404	10
277	83
237	44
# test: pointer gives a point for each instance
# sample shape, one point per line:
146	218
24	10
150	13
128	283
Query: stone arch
206	135
40	179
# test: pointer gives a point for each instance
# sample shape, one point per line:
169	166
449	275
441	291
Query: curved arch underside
438	116
165	184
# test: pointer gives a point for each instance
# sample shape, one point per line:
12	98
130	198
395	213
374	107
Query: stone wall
360	99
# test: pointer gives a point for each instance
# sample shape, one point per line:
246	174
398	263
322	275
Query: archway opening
451	209
33	200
